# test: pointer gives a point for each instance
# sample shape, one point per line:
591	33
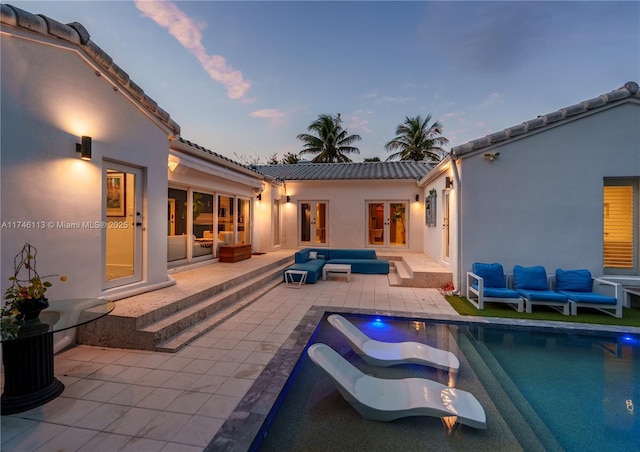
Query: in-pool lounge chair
385	354
533	286
580	288
488	283
385	400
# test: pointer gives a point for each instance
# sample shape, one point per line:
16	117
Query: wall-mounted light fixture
417	197
259	196
491	156
448	183
288	198
84	148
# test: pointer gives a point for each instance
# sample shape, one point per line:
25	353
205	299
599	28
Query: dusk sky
245	78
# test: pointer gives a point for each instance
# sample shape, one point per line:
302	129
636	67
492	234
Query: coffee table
27	351
290	281
336	268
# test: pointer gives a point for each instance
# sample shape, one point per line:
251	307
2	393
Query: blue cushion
498	292
493	274
573	280
301	256
530	278
543	295
352	254
589	297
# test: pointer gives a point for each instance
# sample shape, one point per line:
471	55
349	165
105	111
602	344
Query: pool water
541	390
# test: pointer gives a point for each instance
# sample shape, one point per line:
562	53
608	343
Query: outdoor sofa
565	291
312	260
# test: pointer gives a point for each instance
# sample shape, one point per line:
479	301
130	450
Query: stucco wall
50	97
347	214
540	202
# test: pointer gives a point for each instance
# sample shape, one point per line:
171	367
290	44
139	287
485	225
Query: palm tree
417	140
328	140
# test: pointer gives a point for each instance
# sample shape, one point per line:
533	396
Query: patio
132	400
120	399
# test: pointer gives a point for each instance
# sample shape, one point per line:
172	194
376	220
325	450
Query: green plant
26	283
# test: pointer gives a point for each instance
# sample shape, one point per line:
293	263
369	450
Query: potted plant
447	289
25	297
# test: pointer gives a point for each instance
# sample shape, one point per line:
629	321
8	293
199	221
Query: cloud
267	113
399	100
358	123
188	33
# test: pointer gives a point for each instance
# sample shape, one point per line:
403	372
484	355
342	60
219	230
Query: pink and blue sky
245	78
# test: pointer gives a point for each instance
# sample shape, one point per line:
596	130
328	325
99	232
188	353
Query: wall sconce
84	148
172	165
259	196
417	197
491	156
288	198
448	183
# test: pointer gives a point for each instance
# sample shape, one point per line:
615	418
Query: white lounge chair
385	400
385	354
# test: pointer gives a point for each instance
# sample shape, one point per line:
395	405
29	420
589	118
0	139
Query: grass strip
630	316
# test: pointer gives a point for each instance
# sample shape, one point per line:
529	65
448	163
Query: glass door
122	201
387	223
313	222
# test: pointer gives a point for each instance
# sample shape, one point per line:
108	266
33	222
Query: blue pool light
378	323
630	340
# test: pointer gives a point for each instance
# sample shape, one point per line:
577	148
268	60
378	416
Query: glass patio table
27	351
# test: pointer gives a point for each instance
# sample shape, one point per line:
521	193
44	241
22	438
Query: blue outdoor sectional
312	260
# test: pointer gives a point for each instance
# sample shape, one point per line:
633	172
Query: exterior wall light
288	198
259	196
84	148
491	156
448	183
417	197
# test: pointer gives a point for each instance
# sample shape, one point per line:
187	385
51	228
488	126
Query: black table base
28	372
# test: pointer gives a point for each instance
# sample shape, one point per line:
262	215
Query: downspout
456	176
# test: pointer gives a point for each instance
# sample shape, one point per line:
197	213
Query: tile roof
75	33
347	171
220	159
629	90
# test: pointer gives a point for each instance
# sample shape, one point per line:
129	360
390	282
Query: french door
387	223
123	224
313	222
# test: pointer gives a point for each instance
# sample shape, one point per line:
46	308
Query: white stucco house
351	205
546	192
103	216
560	190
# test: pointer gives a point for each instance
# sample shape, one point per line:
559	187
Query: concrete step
223	309
167	319
415	270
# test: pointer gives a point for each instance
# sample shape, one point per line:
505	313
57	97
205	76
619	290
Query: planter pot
30	309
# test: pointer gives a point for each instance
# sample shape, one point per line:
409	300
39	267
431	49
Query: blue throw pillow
530	278
573	280
493	274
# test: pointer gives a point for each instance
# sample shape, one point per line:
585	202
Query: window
620	226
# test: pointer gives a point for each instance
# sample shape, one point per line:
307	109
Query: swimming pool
541	390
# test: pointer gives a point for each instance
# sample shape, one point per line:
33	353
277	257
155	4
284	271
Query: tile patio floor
127	400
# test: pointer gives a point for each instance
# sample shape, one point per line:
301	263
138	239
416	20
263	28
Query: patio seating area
566	291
